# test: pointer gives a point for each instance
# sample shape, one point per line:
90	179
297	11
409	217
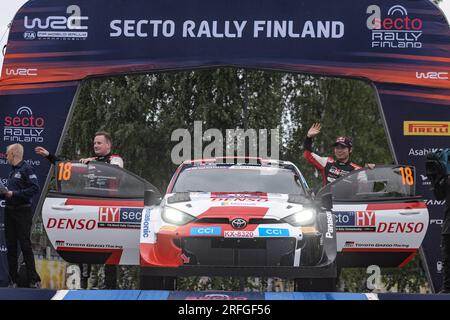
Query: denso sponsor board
71	224
364	221
115	217
394	28
23	127
400	227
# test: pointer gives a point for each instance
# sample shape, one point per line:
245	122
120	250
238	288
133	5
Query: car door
94	215
379	219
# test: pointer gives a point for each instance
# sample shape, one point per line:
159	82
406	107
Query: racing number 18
65	170
407	176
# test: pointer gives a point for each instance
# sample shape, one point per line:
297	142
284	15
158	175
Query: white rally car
235	217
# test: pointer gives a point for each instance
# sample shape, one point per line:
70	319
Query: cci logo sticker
426	128
270	232
206	231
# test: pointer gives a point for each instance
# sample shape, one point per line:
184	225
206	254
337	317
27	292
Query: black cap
343	141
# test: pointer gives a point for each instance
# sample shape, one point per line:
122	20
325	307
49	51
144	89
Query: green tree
142	111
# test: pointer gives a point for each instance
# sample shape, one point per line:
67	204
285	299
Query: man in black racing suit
102	150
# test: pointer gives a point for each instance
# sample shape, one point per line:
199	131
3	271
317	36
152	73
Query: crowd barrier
43	294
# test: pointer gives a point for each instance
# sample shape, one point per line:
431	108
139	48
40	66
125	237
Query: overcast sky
8	9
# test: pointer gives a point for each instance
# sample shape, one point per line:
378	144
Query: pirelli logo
426	128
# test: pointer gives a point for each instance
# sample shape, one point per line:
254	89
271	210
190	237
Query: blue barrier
26	294
43	294
403	296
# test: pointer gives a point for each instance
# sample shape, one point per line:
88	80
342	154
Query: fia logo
29	35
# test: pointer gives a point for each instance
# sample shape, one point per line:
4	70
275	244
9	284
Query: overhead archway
402	47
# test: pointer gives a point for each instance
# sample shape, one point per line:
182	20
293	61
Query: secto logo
396	30
23	127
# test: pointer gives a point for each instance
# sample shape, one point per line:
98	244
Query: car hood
238	205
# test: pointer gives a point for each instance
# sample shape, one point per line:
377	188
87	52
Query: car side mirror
327	201
150	198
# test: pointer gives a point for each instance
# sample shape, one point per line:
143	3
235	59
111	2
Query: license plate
238	234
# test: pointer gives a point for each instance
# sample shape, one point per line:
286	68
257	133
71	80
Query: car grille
239	252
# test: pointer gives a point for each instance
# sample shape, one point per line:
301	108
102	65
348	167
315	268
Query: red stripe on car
396	206
105	203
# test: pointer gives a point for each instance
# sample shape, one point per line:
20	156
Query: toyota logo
238	223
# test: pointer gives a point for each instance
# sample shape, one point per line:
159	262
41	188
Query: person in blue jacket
22	186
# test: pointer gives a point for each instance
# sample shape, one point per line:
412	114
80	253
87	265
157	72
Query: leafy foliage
142	111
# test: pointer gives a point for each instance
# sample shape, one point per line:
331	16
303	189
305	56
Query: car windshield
238	178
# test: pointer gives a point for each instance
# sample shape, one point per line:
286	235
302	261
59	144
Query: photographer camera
438	171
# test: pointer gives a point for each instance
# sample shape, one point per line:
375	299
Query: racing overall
329	168
22	181
110	270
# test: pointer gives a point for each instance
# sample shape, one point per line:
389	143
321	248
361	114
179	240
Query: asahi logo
421	152
57	27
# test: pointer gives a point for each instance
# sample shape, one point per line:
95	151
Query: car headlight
174	216
301	218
